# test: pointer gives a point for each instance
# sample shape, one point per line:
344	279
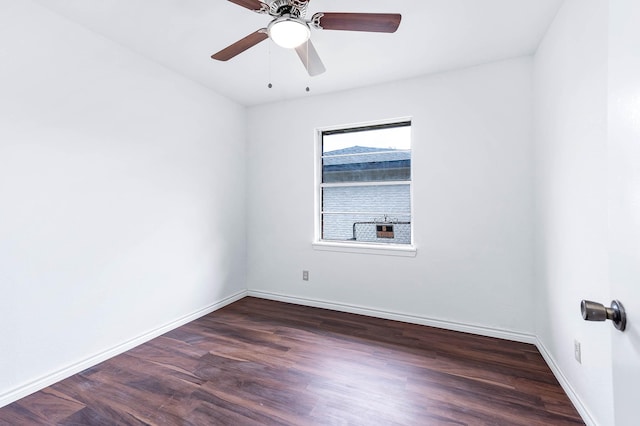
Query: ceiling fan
290	29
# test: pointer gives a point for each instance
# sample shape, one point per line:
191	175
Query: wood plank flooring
260	362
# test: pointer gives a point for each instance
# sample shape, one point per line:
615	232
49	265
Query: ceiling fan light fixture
288	32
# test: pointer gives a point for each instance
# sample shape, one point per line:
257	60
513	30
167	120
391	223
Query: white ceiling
434	36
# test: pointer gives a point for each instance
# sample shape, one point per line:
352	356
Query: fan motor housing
295	8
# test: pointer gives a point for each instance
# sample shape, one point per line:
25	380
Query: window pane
367	155
380	213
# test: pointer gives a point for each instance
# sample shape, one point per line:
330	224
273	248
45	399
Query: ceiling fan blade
373	22
255	5
241	45
310	58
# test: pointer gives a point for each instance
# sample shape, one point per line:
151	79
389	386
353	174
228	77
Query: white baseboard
412	319
566	386
56	376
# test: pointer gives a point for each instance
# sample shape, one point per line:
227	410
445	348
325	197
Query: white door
624	202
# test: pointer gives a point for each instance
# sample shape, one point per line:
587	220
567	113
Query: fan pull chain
269	64
307	88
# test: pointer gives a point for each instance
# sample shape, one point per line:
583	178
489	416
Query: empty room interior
155	194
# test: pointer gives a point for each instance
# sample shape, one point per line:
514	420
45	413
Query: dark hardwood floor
259	362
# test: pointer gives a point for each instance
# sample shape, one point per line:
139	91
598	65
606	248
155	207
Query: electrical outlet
577	351
305	275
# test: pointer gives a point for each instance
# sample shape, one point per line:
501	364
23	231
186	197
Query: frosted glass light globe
288	32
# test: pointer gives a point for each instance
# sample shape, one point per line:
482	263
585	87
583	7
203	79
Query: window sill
364	248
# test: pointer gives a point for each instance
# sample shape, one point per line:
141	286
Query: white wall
121	197
570	109
472	196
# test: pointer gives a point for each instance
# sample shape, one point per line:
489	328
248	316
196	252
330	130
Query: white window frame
389	249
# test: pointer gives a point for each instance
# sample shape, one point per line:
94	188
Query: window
364	185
